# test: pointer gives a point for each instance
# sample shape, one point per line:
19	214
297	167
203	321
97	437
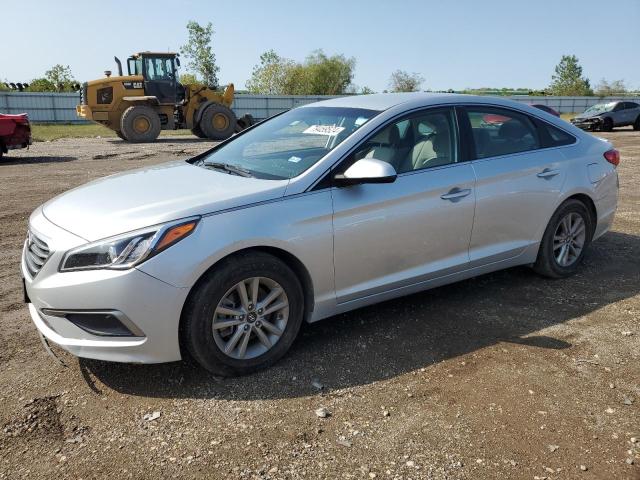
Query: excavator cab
160	72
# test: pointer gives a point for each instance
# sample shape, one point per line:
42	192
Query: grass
43	132
567	116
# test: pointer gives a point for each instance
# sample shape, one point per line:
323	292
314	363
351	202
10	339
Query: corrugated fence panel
61	107
265	106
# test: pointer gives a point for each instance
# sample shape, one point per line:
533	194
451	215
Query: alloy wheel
250	318
569	239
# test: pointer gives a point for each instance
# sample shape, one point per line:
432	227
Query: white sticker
329	130
360	120
294	159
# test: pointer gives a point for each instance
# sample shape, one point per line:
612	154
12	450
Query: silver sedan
320	210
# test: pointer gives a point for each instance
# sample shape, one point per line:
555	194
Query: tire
140	123
206	344
197	132
218	122
551	246
244	122
607	125
120	135
636	124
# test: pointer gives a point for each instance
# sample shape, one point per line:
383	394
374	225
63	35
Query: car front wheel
565	240
244	315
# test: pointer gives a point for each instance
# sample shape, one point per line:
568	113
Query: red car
15	132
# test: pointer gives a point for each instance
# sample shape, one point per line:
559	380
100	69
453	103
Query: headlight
128	250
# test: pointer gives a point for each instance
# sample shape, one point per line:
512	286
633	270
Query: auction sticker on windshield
323	130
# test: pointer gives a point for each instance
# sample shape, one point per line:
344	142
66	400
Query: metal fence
42	107
61	107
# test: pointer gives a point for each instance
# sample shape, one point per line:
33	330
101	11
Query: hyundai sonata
322	209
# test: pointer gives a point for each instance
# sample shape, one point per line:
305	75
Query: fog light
105	323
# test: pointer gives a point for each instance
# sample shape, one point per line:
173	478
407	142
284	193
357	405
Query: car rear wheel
607	125
565	240
244	315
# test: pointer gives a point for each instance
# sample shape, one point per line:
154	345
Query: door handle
455	194
548	173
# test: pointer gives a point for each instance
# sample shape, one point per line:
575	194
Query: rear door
518	182
390	236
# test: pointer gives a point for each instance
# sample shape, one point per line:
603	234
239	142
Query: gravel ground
507	375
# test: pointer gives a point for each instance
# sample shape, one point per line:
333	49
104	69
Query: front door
159	79
390	236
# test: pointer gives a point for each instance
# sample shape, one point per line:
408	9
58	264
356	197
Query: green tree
606	89
568	79
328	75
318	75
271	75
366	91
188	79
199	52
401	81
41	85
61	77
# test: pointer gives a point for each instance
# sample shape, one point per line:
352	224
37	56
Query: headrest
512	130
390	135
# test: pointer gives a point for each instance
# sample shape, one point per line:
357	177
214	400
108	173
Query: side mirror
366	170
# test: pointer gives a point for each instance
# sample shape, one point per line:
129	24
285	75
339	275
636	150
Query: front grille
36	253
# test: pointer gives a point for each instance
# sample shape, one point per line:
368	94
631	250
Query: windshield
289	144
599	108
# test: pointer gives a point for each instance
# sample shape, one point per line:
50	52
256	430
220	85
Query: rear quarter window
554	136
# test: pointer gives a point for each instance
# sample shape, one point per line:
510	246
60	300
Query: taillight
612	156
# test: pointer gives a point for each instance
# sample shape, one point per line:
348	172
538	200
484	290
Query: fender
200	110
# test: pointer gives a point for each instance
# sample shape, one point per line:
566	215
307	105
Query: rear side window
499	131
631	105
555	136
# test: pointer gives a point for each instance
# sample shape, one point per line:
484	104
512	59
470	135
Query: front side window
287	145
159	68
423	140
499	131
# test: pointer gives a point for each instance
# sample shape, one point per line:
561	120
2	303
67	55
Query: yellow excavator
150	98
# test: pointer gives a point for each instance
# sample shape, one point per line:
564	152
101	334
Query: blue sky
453	44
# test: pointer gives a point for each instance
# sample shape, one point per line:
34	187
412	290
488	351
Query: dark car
545	108
605	116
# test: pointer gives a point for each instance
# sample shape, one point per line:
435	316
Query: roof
157	54
384	101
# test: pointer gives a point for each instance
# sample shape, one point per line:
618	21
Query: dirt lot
507	375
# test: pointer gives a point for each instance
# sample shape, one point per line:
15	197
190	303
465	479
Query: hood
149	196
584	115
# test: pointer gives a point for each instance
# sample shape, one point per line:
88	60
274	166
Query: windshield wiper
234	169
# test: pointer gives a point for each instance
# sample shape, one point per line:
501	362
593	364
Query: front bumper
153	306
587	123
